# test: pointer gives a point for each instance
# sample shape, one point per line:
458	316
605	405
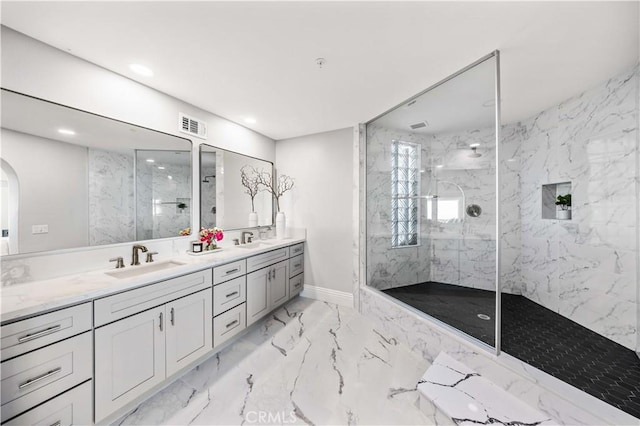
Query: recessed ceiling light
474	145
169	177
150	160
250	120
160	168
141	69
439	166
66	132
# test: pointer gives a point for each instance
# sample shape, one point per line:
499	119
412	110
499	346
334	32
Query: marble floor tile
309	362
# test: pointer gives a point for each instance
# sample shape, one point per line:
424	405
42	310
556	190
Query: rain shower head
206	178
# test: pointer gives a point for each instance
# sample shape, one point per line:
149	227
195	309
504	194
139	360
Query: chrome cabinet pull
41	333
231	323
297	285
58	423
231	294
39	378
160	321
231	271
297	265
173	319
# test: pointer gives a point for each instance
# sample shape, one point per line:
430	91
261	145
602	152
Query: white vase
563	214
281	225
253	219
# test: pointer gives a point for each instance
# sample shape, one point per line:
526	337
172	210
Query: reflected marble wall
585	268
159	193
111	198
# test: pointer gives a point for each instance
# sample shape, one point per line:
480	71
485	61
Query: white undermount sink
135	271
255	245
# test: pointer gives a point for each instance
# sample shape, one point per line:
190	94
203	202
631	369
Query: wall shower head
206	178
474	153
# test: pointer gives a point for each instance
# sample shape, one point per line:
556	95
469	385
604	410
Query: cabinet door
129	359
189	330
279	284
258	294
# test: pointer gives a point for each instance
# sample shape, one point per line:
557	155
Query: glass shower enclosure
431	201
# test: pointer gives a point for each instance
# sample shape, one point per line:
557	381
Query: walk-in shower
466	224
431	201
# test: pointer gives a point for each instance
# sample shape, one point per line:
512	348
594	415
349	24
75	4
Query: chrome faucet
134	258
243	236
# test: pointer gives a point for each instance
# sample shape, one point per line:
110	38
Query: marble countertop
35	297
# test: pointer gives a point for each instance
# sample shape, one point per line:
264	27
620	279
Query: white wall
321	201
53	184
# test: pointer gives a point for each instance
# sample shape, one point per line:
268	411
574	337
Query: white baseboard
328	295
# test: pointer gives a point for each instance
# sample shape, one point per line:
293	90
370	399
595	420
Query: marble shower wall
456	252
463	251
585	268
392	267
158	199
111	197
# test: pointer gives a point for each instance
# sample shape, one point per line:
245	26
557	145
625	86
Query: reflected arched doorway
10	196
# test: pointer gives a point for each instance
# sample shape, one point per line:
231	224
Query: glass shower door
431	201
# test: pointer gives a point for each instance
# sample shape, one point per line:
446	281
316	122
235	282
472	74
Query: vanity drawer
227	325
229	294
263	260
33	333
131	302
71	408
295	285
229	271
296	249
37	376
296	265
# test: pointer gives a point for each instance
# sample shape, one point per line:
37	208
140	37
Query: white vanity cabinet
266	288
93	361
296	269
138	352
41	361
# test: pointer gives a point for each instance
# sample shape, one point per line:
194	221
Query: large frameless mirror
431	201
229	195
73	179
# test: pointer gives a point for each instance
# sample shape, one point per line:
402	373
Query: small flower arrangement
211	236
185	231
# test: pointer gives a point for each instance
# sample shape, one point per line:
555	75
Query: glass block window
405	188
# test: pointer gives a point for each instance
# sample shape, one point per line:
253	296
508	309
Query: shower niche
556	201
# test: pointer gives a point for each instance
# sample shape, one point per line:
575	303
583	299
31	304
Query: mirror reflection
74	179
228	197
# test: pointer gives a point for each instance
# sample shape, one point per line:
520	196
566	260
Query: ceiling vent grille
192	126
419	125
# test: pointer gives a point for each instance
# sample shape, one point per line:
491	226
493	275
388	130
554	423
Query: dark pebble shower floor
538	336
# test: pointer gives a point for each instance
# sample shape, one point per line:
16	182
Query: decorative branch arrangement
277	189
249	177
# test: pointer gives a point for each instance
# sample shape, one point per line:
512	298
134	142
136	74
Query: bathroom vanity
105	340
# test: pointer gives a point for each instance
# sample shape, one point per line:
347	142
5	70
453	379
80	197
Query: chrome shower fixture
474	152
206	178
